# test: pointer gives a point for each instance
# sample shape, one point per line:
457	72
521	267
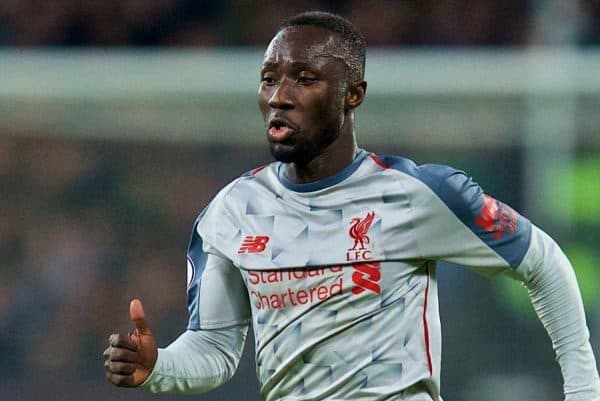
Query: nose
281	97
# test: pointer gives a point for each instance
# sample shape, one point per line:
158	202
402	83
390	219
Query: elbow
543	258
228	345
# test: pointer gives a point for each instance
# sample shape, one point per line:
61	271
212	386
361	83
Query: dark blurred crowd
235	23
244	22
84	227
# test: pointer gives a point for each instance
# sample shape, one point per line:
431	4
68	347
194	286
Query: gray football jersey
338	276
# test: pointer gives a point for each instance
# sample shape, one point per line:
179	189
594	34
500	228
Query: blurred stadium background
120	120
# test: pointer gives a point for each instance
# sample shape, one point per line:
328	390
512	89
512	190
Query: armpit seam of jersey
410	207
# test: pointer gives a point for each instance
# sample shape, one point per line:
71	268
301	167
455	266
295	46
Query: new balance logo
254	244
366	276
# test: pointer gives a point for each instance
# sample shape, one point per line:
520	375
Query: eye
268	79
305	80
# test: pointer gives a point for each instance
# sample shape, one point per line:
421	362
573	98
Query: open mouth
280	129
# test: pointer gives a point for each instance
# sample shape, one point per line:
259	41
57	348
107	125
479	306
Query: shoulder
438	177
428	173
237	193
257	171
457	190
243	186
454	187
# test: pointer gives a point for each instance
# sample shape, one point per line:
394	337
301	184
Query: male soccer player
330	253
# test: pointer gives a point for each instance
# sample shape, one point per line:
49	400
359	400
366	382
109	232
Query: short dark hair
355	47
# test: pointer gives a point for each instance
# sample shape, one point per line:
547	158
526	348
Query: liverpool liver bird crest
358	230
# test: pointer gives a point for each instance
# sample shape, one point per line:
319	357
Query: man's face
302	92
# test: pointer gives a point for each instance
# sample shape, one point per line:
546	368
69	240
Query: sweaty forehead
304	43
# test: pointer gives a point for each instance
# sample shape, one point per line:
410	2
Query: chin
284	154
296	151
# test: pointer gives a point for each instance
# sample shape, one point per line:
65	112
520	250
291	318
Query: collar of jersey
325	182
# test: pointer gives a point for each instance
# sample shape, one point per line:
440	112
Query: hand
130	358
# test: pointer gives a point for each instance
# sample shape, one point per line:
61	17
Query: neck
338	155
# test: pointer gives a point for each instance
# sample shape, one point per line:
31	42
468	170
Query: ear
355	95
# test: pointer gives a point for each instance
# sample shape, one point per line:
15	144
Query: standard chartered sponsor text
309	285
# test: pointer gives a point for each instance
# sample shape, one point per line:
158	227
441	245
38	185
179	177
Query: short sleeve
217	295
461	224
